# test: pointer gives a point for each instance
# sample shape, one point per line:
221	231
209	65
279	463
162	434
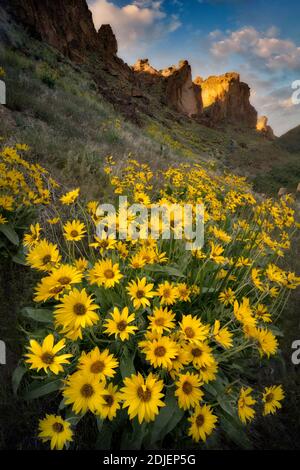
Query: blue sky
260	39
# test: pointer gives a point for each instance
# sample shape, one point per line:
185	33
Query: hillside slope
47	95
291	140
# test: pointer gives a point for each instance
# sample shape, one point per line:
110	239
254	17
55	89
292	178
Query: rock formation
173	85
181	92
107	41
143	68
227	99
263	127
67	25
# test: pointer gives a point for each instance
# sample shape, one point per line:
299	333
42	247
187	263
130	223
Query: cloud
135	24
265	50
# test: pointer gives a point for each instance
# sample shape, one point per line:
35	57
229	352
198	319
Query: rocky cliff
227	99
67	25
173	85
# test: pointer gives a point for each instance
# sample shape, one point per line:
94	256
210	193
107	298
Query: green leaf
126	363
10	234
216	388
167	420
134	440
100	423
226	405
104	436
207	290
210	389
276	331
62	405
40	315
72	418
19	259
17	376
170	270
36	390
235	431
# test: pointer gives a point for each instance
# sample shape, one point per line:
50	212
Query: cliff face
173	86
67	25
181	93
226	98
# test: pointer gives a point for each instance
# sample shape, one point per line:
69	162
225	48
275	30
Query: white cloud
264	49
135	24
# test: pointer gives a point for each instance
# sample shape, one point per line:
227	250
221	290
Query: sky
260	39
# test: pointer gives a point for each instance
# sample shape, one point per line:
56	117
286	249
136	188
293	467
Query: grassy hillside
54	106
291	140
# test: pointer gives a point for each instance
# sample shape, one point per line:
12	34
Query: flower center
197	352
160	351
97	367
64	280
109	274
122	325
200	420
109	400
57	427
103	244
269	397
187	388
79	309
140	294
189	332
47	358
87	391
56	289
46	259
160	321
74	233
144	395
166	293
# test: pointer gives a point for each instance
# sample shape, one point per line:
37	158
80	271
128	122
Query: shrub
47	74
